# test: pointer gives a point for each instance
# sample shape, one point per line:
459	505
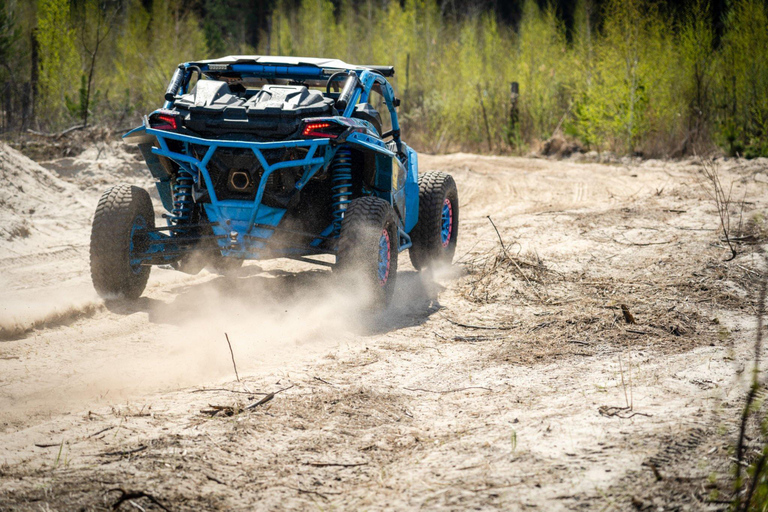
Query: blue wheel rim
446	228
384	256
138	223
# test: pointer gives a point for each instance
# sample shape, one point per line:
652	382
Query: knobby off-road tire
436	232
121	211
367	250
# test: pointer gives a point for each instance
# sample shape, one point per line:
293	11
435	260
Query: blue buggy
260	157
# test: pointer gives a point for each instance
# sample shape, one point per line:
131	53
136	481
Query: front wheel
437	228
368	247
117	234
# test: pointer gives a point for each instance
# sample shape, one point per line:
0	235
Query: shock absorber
182	199
341	185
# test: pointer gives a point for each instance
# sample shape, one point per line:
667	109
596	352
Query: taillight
322	129
164	121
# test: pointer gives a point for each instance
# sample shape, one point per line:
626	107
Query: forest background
650	78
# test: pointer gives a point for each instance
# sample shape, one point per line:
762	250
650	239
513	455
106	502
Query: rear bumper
244	227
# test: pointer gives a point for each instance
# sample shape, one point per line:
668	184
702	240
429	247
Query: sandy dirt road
508	381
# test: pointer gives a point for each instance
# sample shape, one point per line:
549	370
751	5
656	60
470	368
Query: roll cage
306	71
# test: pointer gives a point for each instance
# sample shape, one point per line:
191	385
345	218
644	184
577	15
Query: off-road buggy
275	157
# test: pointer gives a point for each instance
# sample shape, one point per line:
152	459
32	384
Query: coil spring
182	199
341	185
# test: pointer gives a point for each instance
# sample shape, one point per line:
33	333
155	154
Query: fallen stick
449	390
335	464
324	381
122	452
470	326
227	390
101	431
308	491
260	402
233	356
132	495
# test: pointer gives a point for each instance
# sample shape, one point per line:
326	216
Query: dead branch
501	241
324	381
335	464
233	356
489	327
121	452
214	479
628	317
264	400
101	431
449	390
619	412
228	391
132	495
308	491
56	135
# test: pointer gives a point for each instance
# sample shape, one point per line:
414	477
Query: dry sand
502	382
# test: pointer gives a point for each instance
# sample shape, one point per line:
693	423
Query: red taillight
320	130
170	123
164	120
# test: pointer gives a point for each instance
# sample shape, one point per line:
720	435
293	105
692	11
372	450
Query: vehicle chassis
242	229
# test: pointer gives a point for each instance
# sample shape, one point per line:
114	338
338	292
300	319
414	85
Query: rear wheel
117	234
368	248
436	232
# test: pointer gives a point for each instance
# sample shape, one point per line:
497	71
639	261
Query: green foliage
59	63
743	80
9	36
629	79
78	106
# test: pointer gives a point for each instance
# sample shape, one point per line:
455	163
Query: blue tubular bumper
243	227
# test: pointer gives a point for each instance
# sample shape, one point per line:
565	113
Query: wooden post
514	95
30	94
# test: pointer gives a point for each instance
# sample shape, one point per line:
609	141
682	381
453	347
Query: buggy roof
293	65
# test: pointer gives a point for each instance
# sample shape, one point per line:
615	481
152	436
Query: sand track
488	385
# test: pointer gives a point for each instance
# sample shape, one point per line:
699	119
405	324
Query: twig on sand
335	464
628	317
449	390
324	381
501	241
122	452
230	410
207	390
642	244
264	400
132	495
316	493
267	398
487	327
102	431
214	479
233	356
619	412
